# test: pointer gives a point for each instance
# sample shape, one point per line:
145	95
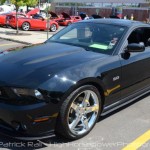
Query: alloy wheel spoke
90	109
75	107
85	123
75	123
86	99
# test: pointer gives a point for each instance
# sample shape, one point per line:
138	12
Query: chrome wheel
83	112
69	23
25	26
53	28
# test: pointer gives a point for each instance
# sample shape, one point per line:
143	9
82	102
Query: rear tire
53	27
79	113
25	26
69	23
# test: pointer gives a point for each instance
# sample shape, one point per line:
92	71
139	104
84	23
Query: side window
147	37
141	36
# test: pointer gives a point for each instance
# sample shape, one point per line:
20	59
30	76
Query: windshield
102	38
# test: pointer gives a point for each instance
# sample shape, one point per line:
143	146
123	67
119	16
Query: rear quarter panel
2	20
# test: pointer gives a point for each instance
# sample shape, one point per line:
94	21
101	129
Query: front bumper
18	136
24	122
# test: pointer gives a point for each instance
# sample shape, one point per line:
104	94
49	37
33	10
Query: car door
39	23
136	66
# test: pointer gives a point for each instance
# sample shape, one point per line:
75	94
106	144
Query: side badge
116	78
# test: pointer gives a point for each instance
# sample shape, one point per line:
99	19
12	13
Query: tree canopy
18	3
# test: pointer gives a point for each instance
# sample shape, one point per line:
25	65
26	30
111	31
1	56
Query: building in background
104	8
101	3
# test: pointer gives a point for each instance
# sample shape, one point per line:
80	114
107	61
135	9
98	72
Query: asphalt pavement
4	45
26	37
125	129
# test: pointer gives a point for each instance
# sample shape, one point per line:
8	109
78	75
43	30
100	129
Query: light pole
48	19
149	15
39	4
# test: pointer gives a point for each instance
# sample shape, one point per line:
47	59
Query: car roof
122	22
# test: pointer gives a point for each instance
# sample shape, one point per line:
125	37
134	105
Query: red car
4	17
55	17
37	23
67	19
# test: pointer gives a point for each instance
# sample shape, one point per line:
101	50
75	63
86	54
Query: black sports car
62	86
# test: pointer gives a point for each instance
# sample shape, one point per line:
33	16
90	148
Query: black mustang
62	86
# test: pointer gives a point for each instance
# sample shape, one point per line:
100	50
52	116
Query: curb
22	42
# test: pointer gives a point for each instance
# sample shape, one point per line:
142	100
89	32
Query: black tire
62	127
53	27
69	23
26	26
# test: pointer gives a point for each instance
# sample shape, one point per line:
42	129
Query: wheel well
53	24
88	82
27	22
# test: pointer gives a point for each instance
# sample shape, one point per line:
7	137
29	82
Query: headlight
28	92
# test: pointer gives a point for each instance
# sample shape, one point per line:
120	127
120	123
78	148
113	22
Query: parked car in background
95	16
67	19
82	15
33	12
116	13
54	16
26	24
4	18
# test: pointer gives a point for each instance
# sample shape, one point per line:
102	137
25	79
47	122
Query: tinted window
141	36
97	37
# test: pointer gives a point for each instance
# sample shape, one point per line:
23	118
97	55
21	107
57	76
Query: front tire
79	113
25	26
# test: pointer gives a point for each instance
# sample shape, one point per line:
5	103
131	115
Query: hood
33	65
65	15
33	12
53	15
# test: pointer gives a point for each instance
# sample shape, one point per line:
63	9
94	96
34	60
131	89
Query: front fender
61	85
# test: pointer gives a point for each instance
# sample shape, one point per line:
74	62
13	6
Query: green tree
17	4
2	2
31	3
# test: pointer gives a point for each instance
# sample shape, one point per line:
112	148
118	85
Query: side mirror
135	47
